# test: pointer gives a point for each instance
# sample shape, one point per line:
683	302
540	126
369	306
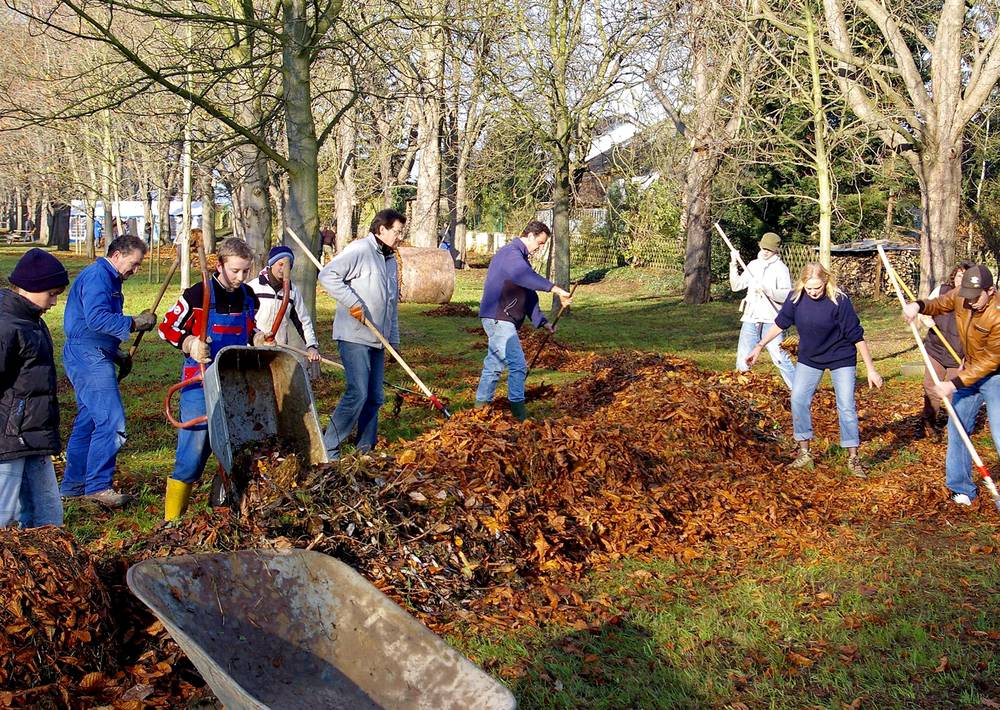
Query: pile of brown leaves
453	310
68	640
485	520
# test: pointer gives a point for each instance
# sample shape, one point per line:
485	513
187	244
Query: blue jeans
364	370
193	446
967	401
99	428
29	484
804	387
750	335
502	351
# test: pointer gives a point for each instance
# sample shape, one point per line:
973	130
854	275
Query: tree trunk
251	204
206	192
44	222
345	191
147	213
822	161
302	210
163	214
940	180
701	168
561	194
426	207
91	224
461	209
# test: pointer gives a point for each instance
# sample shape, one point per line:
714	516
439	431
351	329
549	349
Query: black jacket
29	409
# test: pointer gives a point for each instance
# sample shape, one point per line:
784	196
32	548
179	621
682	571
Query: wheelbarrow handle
170	395
286	287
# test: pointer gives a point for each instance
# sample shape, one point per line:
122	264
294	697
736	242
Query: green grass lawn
904	617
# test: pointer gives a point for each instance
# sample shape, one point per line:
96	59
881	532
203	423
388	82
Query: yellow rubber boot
178	495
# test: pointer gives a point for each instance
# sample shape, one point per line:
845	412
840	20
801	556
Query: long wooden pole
977	461
156	304
438	404
548	334
909	294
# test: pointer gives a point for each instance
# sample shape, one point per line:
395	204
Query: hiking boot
855	468
110	498
961	499
804	460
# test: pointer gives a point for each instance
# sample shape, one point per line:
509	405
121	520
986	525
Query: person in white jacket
270	292
768	283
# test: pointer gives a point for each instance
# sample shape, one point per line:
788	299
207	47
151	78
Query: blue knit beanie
38	271
280	252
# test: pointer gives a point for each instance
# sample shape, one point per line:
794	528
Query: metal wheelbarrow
298	629
252	394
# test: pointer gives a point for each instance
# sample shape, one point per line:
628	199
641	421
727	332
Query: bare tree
701	80
559	64
918	74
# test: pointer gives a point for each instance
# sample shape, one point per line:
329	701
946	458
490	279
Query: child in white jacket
768	283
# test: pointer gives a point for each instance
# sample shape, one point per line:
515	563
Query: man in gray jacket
362	279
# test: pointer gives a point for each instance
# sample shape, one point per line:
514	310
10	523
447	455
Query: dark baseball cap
975	280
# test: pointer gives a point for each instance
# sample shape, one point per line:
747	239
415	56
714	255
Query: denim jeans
29	484
502	351
967	401
804	387
99	428
364	370
193	446
750	335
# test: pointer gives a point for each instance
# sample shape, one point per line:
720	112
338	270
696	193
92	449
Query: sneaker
855	468
804	460
110	498
961	499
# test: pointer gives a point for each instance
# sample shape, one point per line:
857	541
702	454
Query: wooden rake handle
977	461
438	404
739	258
156	304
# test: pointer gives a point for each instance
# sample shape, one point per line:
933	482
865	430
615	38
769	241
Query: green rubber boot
519	411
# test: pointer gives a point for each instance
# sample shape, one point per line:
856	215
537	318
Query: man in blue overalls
95	327
230	321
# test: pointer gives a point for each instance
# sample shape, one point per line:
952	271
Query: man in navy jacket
509	295
95	326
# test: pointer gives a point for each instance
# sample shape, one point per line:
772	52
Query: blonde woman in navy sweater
830	338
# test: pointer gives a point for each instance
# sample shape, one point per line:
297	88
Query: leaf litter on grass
488	522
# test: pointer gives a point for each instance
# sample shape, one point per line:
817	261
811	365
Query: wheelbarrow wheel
219	496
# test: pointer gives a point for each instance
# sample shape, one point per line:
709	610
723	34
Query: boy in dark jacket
28	401
508	297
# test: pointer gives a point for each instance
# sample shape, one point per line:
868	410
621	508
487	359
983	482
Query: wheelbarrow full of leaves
298	629
254	395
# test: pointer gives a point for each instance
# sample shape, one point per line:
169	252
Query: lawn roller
977	461
251	394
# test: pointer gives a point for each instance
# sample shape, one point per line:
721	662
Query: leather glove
124	365
260	340
549	327
358	313
198	350
144	321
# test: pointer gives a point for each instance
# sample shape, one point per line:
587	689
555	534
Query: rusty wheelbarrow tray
298	629
255	393
252	394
